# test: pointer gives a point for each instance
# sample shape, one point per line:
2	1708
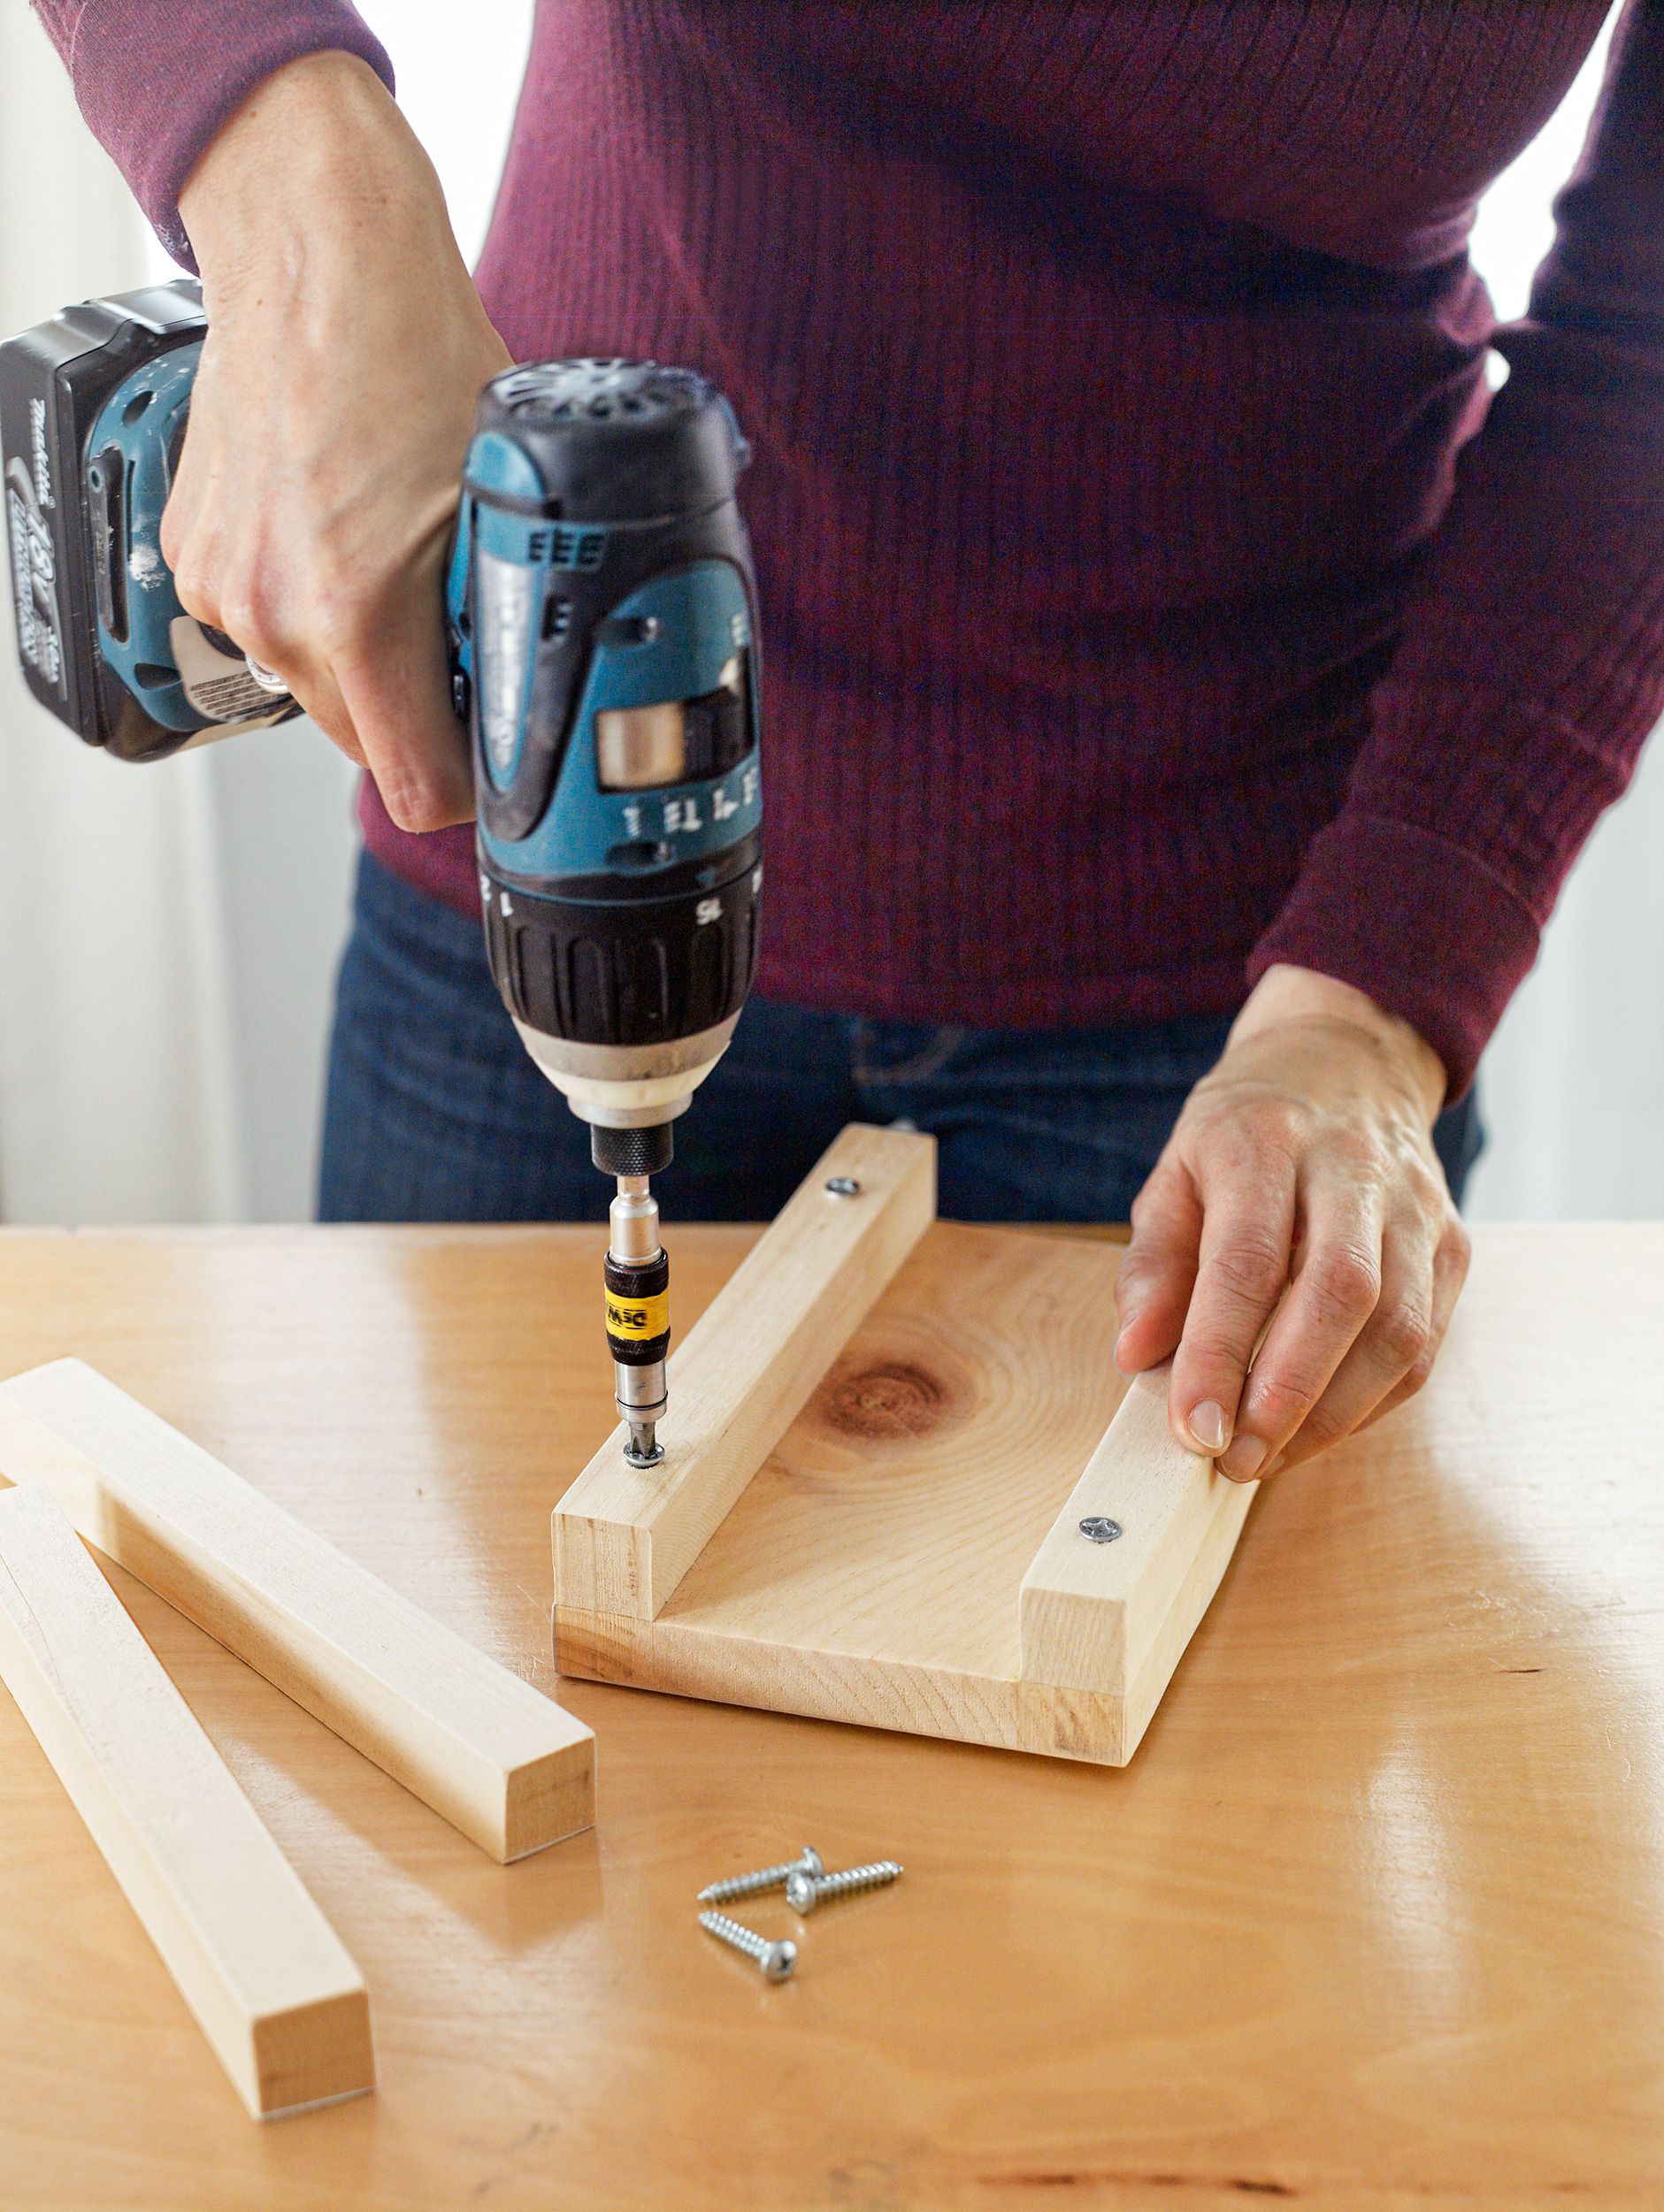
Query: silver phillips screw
804	1892
1098	1528
776	1960
765	1877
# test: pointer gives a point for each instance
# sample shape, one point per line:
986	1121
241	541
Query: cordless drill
601	614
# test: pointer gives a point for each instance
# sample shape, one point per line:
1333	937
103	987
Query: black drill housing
643	463
54	381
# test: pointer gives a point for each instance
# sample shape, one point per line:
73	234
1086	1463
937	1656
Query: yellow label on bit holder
638	1319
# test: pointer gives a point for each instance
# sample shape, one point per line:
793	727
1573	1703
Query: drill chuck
646	1151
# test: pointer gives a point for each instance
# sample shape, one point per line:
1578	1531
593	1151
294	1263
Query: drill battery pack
93	408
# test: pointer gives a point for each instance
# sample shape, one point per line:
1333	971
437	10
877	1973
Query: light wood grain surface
1375	1918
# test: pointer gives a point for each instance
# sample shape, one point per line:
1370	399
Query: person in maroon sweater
1182	702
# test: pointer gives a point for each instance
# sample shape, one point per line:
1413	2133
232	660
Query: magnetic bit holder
637	1274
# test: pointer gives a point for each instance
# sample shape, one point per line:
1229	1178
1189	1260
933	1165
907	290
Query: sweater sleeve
1531	665
156	83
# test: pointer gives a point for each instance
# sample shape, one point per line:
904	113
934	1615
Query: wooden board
273	1990
909	1554
512	1770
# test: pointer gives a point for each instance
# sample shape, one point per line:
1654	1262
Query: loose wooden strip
624	1539
267	1978
1114	1618
511	1768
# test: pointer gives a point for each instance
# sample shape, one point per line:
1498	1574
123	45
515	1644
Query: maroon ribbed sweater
1106	367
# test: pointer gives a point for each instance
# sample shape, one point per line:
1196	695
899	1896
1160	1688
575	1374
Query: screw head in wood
842	1186
1098	1528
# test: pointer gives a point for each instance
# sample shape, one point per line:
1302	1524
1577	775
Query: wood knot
887	1401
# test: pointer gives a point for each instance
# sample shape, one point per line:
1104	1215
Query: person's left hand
1303	1162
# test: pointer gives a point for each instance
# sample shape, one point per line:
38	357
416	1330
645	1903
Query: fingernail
1208	1425
1120	1342
1242	1463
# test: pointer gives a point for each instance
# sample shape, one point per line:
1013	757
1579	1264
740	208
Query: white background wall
113	981
284	835
1573	1086
168	935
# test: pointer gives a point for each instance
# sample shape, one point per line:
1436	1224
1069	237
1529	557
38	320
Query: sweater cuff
1429	931
157	99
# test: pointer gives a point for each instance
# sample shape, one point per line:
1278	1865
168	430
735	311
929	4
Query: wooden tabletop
1375	1918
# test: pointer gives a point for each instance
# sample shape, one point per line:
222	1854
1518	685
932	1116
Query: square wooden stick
270	1984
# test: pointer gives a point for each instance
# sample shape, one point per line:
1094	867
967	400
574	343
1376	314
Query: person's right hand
318	483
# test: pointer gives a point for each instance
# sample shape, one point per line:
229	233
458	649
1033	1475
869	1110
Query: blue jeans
436	1113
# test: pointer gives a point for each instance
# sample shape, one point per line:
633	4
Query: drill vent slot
109	479
577	548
